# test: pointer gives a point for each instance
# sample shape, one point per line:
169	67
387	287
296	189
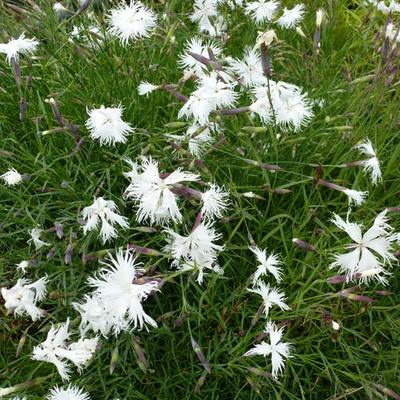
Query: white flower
276	348
203	11
22	298
97	317
11	177
145	88
197	142
15	47
121	297
335	326
35	238
107	126
70	393
261	10
367	249
270	296
371	165
196	251
153	194
269	264
249	70
291	107
355	196
215	202
133	21
55	350
291	17
197	46
105	212
210	94
23	265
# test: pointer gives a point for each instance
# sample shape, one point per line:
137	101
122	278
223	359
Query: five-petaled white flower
203	11
291	17
154	195
370	251
105	212
145	88
22	298
371	165
35	234
57	351
11	177
120	295
133	21
211	94
197	251
70	393
15	47
215	202
277	349
270	295
106	125
261	10
270	264
249	70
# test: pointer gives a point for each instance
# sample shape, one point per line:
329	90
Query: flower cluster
271	296
56	350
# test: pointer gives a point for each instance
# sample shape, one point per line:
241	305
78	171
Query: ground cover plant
199	199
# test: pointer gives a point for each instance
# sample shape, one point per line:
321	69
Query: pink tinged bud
347	293
203	361
384	293
301	244
56	112
17	72
333	280
59	230
140	354
386	391
144	250
269	167
187	192
51	253
84	6
198	57
233	111
68	254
